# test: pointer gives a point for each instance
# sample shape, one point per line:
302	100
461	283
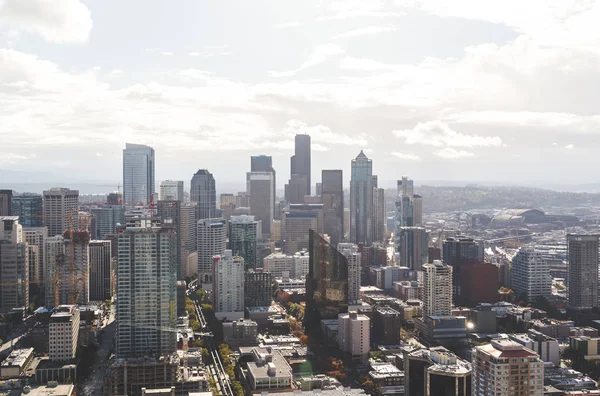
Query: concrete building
301	265
332	194
408	290
107	217
61	209
278	263
361	200
36	238
437	289
264	163
212	241
188	238
479	283
5	202
417	210
269	370
169	213
258	289
350	251
354	335
413	247
379	218
14	265
296	189
54	250
458	251
29	207
146	316
74	286
16	363
244	233
203	194
298	219
260	186
582	280
240	331
170	190
138	174
506	368
228	287
100	270
386	326
63	333
530	275
546	347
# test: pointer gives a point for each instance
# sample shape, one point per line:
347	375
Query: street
94	386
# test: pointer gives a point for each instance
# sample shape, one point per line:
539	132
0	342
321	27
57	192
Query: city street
94	386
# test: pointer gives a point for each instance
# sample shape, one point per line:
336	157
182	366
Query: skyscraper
437	289
379	217
138	174
413	246
211	241
361	200
100	271
296	189
188	239
353	256
203	193
417	210
300	161
146	316
61	209
169	213
29	208
298	219
262	204
5	202
54	251
332	193
14	265
458	251
244	232
228	288
582	257
258	289
170	190
264	163
107	217
530	275
74	286
354	335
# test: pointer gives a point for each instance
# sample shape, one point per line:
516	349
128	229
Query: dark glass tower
361	200
203	193
29	209
332	192
300	162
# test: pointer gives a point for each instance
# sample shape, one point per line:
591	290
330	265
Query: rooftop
381	371
17	357
269	364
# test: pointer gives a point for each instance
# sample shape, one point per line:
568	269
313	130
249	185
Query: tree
369	387
198	343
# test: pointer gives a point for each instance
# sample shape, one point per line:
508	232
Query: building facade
353	257
298	219
14	265
203	194
260	186
138	174
258	289
437	289
582	280
30	209
413	246
61	210
100	270
354	335
170	190
63	333
361	200
530	275
332	194
300	162
244	233
228	287
212	241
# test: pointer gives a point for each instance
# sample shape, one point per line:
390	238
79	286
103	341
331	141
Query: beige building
61	210
63	333
437	289
354	335
298	219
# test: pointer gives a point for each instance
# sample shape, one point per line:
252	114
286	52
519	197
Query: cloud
166	53
290	24
347	9
63	21
438	134
406	156
450	153
366	31
320	54
323	134
569	146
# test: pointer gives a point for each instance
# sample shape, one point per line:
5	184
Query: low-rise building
388	379
240	331
545	346
16	363
269	370
354	335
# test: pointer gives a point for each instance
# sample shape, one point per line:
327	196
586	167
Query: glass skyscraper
138	174
203	194
361	200
29	208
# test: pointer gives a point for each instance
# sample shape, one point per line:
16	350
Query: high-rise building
5	202
296	189
379	217
258	289
228	287
352	254
458	251
277	264
300	161
187	229
298	219
326	283
170	190
264	163
169	213
61	210
114	198
437	289
203	193
212	241
262	202
530	275
417	202
74	286
107	217
244	233
413	246
29	208
354	335
63	333
54	258
146	316
226	199
14	265
405	187
332	193
386	326
100	271
506	368
138	174
361	200
582	280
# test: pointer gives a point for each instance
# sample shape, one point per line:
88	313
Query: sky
468	90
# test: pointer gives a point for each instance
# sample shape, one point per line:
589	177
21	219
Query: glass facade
29	209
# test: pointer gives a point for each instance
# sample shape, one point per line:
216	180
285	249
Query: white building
354	335
61	210
530	275
63	333
269	370
170	190
545	346
437	289
36	237
301	264
506	368
138	174
350	251
278	263
228	287
212	241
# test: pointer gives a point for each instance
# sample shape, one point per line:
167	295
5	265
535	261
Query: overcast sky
438	90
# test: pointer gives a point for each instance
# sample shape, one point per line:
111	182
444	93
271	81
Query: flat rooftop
18	357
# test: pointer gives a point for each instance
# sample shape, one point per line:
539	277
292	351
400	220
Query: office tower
404	215
405	187
169	213
188	239
277	264
61	210
100	271
54	258
332	193
242	199
386	326
296	190
258	289
226	200
353	256
212	240
326	283
262	203
14	265
34	264
5	202
378	212
417	202
413	246
107	217
114	198
63	333
264	163
244	232
506	368
530	276
228	287
203	194
354	335
300	161
479	283
301	265
437	289
298	219
146	316
138	174
458	251
29	208
73	274
361	200
582	280
170	190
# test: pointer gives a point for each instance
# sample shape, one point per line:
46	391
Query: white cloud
290	24
366	31
323	134
62	21
166	53
406	156
320	54
346	9
569	146
450	153
11	158
438	134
